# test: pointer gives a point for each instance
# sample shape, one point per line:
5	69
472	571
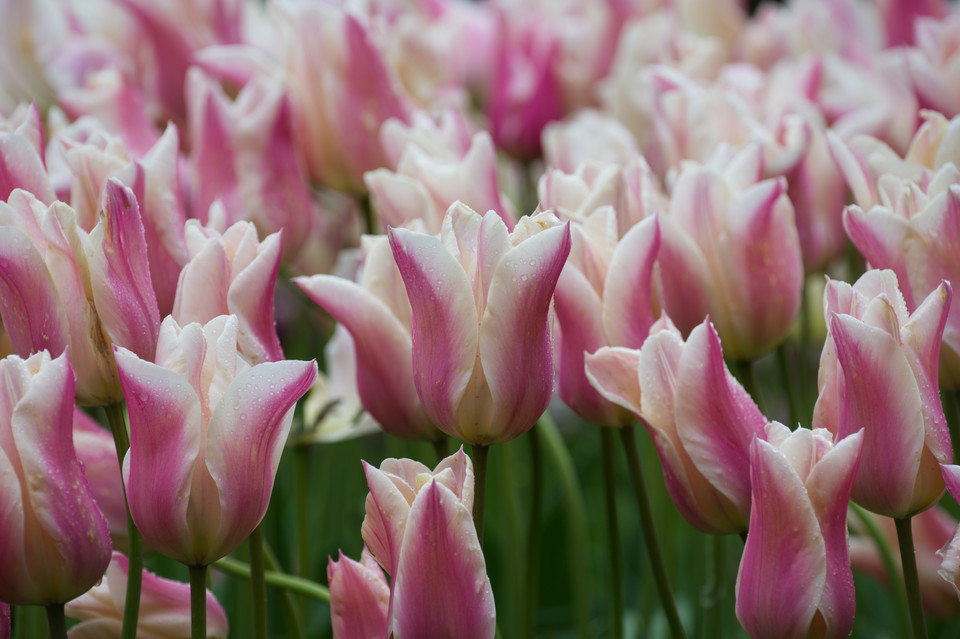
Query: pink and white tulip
22	156
700	418
206	433
419	527
232	273
878	373
164	607
97	452
359	597
795	580
482	353
377	314
55	542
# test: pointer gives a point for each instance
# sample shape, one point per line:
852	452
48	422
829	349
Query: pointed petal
245	438
384	351
158	470
881	397
627	303
716	418
445	323
515	348
359	598
441	587
202	287
120	275
612	371
250	298
387	509
783	569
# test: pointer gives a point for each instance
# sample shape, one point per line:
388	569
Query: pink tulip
428	180
61	288
97	452
244	154
55	542
878	373
337	117
22	163
482	355
419	527
730	249
603	298
377	314
233	273
700	418
588	136
206	433
359	597
794	579
164	607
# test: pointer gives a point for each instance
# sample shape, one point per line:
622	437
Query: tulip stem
714	591
198	602
911	579
788	388
258	585
576	519
276	579
608	464
533	534
301	462
131	606
480	486
56	621
650	534
889	565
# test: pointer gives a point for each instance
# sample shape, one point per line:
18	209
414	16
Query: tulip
206	433
22	156
878	372
482	357
164	607
61	288
730	249
795	579
419	528
359	597
376	312
55	541
232	273
700	418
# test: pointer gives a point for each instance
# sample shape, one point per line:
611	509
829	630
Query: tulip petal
783	570
441	587
684	276
627	303
383	347
445	323
245	438
203	284
251	299
612	371
386	514
165	433
716	419
359	598
515	349
879	236
120	274
881	396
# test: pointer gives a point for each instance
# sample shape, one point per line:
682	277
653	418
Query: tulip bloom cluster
470	214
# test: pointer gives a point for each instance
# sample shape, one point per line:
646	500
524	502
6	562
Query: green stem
575	512
131	606
441	447
480	486
198	602
894	577
301	461
715	590
56	621
280	580
292	616
533	534
650	534
27	622
911	579
258	586
784	365
608	463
